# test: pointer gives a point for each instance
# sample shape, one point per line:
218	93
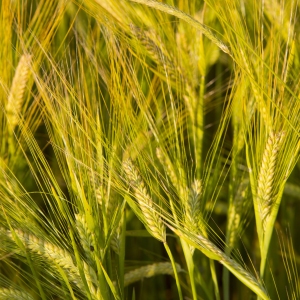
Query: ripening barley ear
115	242
265	189
86	237
193	216
155	47
176	174
14	294
237	211
193	206
57	257
152	220
16	95
215	253
150	271
181	15
92	281
148	212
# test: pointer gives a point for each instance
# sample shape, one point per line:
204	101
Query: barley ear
86	237
213	252
193	206
153	222
265	188
237	209
91	279
16	94
115	241
187	18
178	178
54	255
150	271
14	294
155	47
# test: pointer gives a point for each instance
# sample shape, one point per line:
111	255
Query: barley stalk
14	294
16	95
154	224
265	188
150	271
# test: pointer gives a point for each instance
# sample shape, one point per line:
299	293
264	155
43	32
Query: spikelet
152	220
16	95
14	294
265	189
150	271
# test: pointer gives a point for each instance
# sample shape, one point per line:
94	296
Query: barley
180	185
115	241
149	271
86	236
237	209
167	164
265	188
99	195
193	206
91	278
213	252
52	253
111	214
155	48
180	14
16	95
153	222
14	294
